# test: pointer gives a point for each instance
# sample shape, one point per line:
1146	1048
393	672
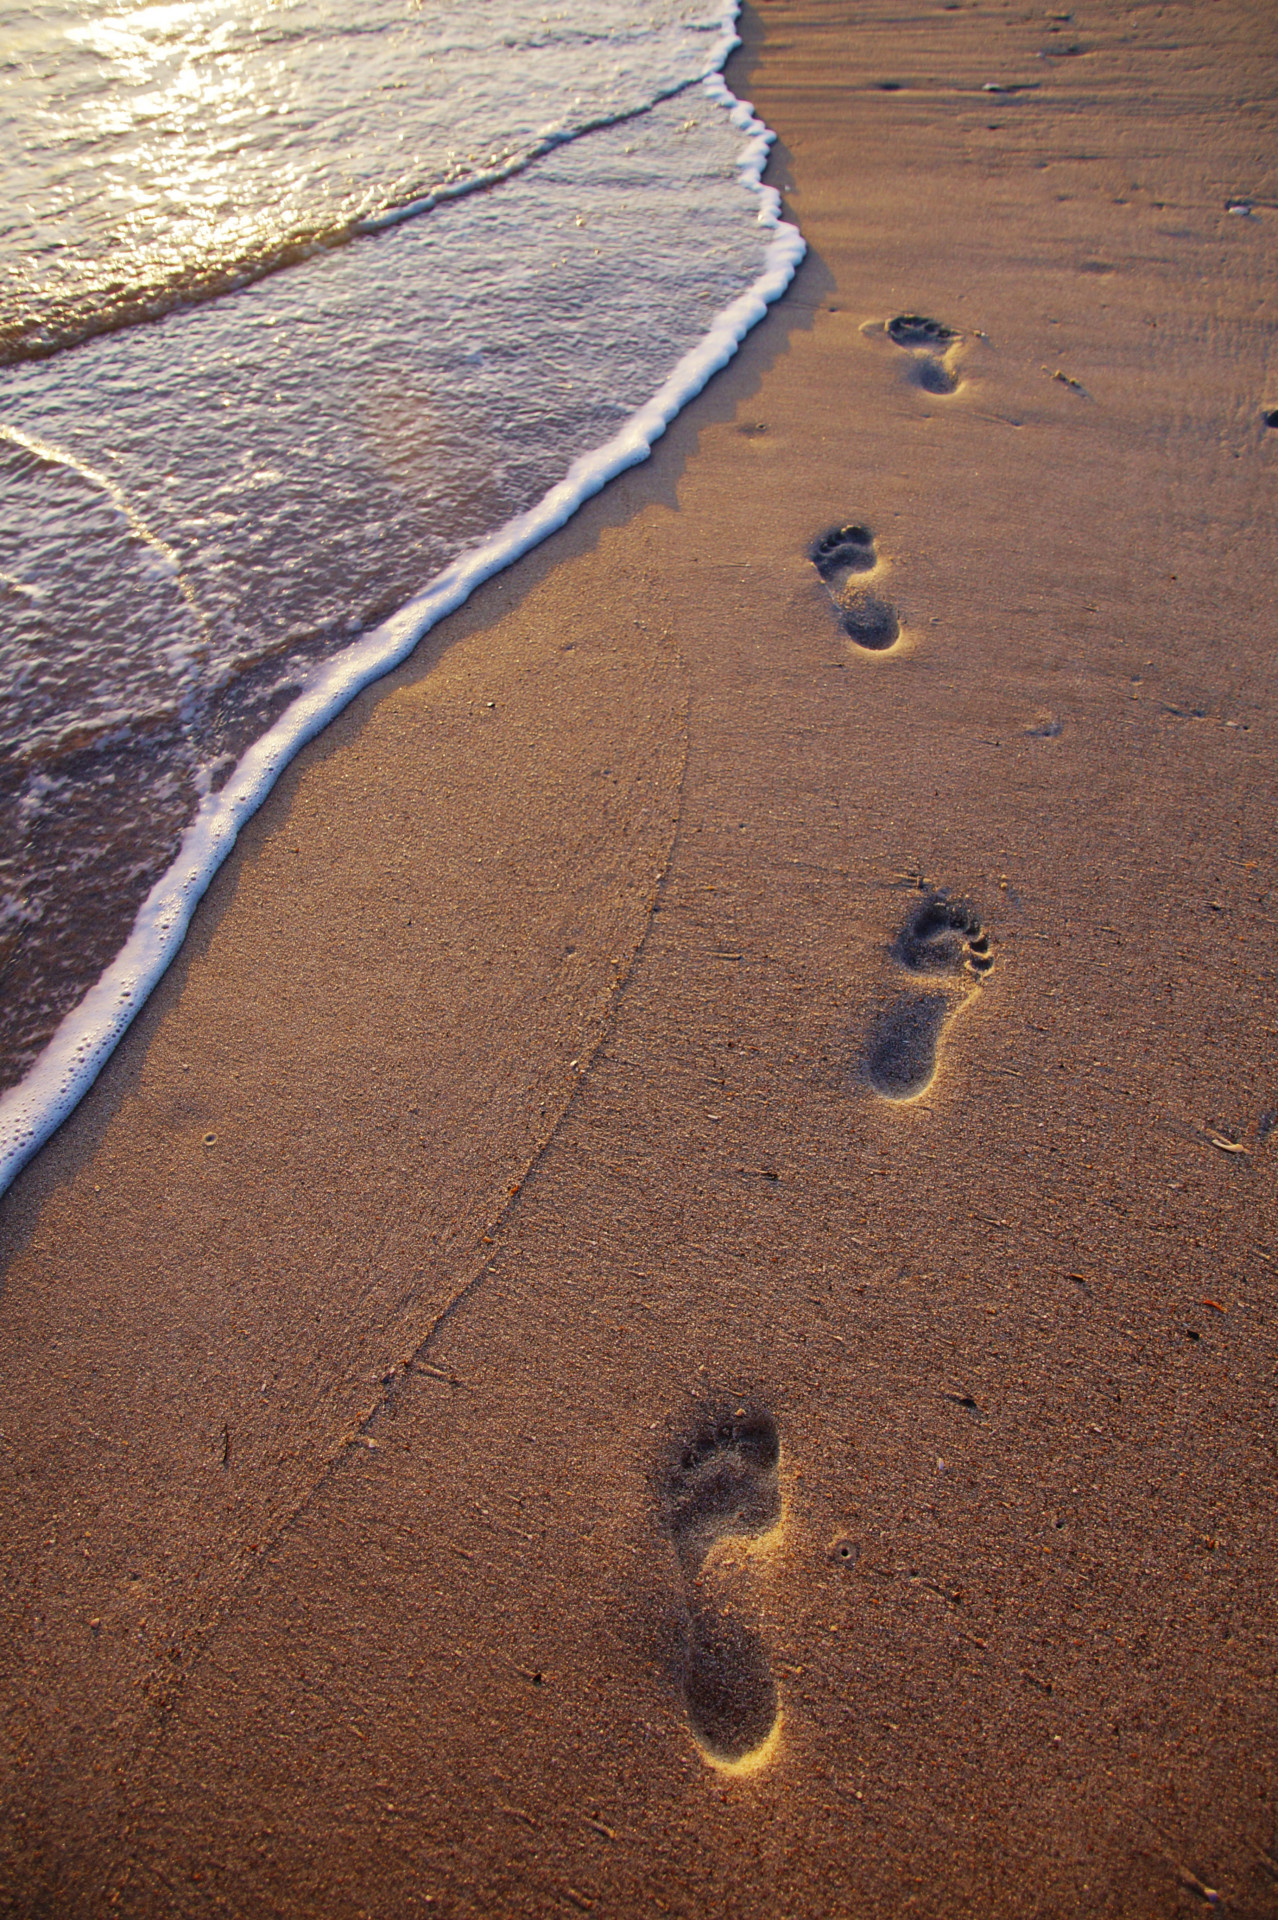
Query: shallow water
160	152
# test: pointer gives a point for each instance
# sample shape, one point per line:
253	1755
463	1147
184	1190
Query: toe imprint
916	330
943	936
841	551
724	1481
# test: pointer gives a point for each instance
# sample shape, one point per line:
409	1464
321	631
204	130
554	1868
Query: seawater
314	316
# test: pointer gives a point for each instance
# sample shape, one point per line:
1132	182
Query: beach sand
512	1108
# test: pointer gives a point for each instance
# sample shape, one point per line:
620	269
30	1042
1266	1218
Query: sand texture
671	1309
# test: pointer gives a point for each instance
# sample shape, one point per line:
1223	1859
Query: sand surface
513	1105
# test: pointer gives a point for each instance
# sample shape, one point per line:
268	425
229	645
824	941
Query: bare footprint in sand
840	556
721	1500
944	939
929	344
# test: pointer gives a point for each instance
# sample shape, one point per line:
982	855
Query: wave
58	323
73	1058
128	287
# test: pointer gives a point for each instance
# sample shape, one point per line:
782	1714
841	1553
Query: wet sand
494	1350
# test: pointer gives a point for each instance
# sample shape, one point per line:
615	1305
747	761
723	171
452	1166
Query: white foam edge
84	1041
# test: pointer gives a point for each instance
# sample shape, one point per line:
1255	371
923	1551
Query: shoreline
504	1120
32	1110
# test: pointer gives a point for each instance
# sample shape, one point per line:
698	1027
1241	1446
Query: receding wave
157	157
41	320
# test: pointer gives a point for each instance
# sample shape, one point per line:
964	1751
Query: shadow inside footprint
900	1059
723	1482
727	1686
870	622
933	375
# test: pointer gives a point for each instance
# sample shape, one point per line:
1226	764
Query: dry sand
508	1108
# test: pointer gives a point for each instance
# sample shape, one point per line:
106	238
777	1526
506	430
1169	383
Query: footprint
866	617
944	938
721	1499
929	342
